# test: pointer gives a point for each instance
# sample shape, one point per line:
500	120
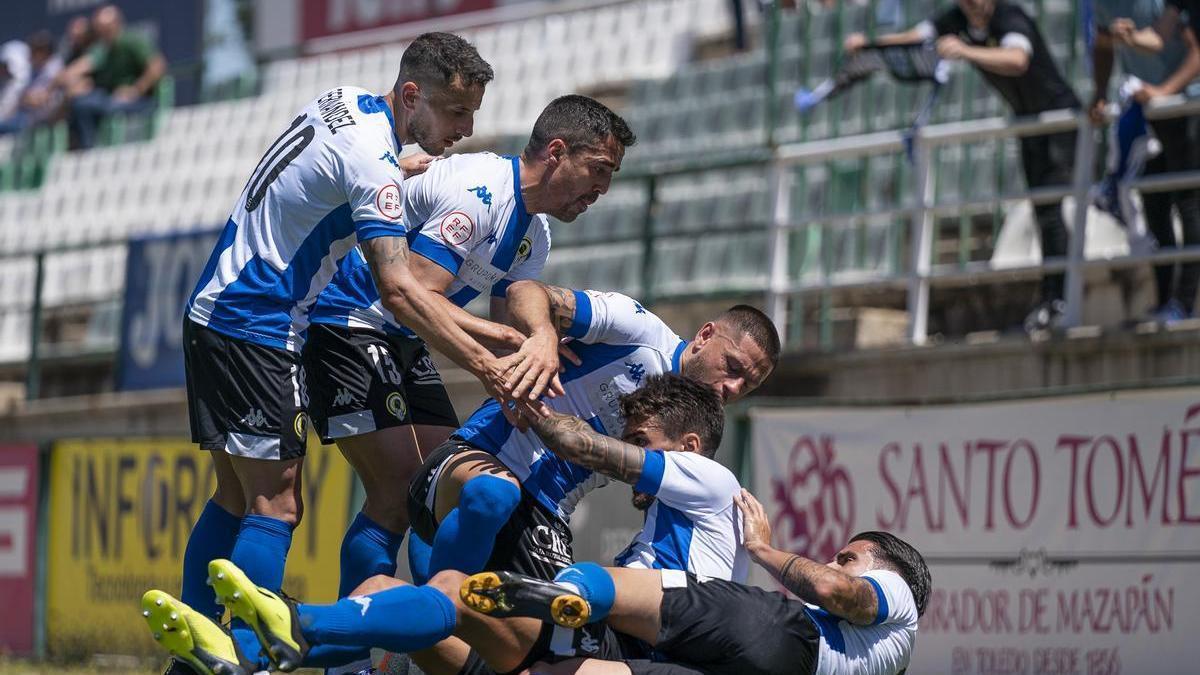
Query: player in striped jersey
494	496
476	223
679	417
319	189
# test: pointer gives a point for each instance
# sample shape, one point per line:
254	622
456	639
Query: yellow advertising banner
120	514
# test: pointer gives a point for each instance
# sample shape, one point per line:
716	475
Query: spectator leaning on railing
123	72
1002	41
1158	48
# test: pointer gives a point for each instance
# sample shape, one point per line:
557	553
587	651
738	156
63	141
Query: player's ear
705	334
409	93
690	442
556	150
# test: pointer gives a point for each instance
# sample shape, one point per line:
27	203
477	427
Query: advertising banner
1063	534
120	514
160	275
18	537
323	18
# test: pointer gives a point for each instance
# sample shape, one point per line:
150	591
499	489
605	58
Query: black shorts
534	541
361	380
555	643
245	399
724	628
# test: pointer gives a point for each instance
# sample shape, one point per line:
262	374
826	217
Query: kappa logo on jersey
390	159
637	308
636	372
255	418
363	601
524	249
388	201
457	228
483	194
589	644
344	397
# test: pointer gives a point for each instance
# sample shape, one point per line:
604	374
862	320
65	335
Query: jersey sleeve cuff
437	252
373	229
500	288
582	322
653	467
881	612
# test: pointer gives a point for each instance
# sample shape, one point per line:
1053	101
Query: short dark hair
41	41
900	557
579	121
751	321
678	405
434	59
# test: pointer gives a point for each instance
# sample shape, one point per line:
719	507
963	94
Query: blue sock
465	539
367	549
261	552
212	537
334	656
595	584
400	619
419	552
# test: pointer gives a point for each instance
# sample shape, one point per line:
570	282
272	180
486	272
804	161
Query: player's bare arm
851	598
529	310
437	279
574	440
418	308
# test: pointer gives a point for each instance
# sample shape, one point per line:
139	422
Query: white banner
1063	534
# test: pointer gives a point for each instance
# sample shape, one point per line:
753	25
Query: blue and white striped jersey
620	344
323	185
465	213
693	524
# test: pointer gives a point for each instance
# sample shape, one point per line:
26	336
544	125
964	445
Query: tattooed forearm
848	597
562	307
572	439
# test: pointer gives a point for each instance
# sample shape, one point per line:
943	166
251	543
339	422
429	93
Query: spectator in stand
124	72
1156	47
1002	41
14	76
40	101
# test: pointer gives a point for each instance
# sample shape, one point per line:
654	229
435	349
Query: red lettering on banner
990	448
1033	607
1127	611
1072	442
1090	486
1186	472
1135	469
890	485
1035	470
960	491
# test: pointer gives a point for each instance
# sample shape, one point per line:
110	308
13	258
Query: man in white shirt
857	614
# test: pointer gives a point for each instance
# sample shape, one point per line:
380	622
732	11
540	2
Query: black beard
418	136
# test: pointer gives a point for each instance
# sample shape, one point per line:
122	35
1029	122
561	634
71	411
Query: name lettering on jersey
334	112
457	228
390	159
483	194
388	201
487	274
636	372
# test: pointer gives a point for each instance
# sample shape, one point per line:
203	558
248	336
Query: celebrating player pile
311	288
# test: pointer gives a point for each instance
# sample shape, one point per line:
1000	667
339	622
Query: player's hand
567	353
1097	112
415	165
854	42
951	47
756	527
1147	92
535	370
1122	31
125	94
